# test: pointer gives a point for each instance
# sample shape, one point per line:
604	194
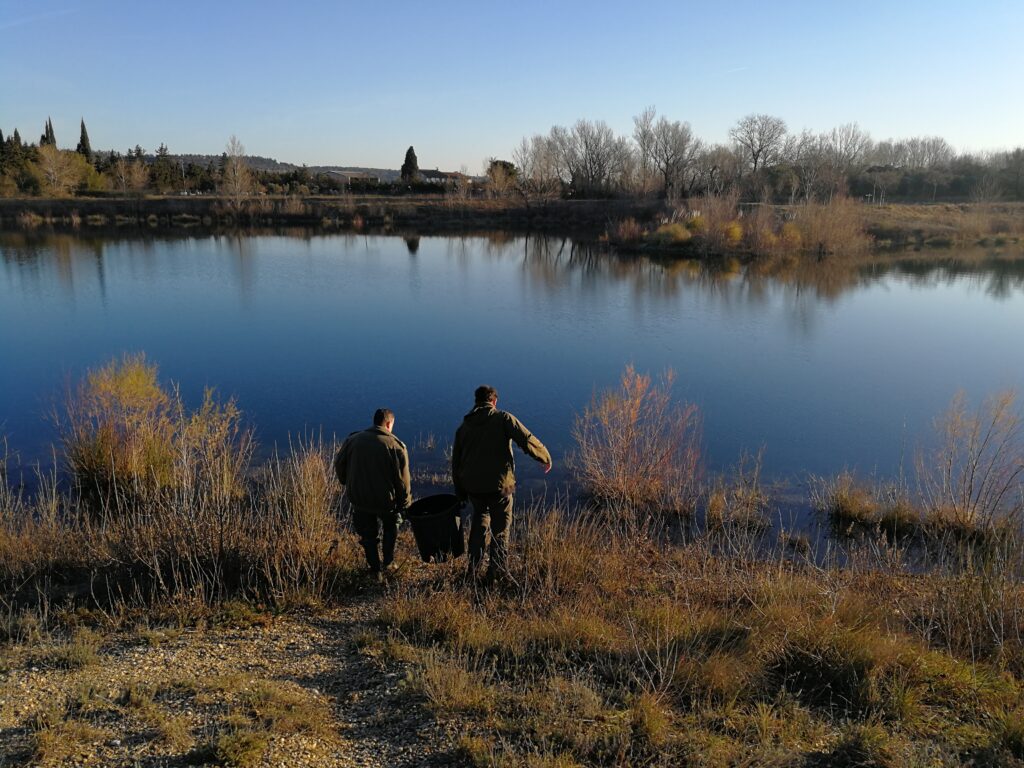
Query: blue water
824	369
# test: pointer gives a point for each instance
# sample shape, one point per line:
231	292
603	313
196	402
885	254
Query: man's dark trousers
492	513
377	529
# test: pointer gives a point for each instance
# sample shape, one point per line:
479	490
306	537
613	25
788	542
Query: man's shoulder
392	441
509	418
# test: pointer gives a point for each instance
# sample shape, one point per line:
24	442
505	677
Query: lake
824	367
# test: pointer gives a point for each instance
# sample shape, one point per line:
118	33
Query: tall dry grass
164	505
838	227
625	649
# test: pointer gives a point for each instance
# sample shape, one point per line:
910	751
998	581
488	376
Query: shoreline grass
615	641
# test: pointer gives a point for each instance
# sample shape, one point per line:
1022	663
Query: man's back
373	465
482	460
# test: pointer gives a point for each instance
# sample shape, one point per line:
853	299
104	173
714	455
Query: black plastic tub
437	527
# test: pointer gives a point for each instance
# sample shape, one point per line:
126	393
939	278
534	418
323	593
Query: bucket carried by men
437	527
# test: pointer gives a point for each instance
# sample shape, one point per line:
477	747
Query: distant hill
255	162
384	174
259	163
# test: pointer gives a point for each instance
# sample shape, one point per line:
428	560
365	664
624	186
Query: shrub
697	224
975	475
636	449
732	233
670	234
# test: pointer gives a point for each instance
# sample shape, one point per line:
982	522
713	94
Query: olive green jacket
482	459
373	465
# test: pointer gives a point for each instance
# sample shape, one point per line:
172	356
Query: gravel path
198	678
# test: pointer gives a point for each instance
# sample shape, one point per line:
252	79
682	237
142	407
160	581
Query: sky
355	84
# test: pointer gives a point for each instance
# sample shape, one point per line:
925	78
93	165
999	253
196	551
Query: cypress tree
84	147
48	137
411	167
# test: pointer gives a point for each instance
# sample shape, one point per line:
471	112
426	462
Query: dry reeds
837	227
165	505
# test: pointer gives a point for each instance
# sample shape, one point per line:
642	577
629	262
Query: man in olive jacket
373	465
483	471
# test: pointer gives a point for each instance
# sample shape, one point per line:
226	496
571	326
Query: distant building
445	177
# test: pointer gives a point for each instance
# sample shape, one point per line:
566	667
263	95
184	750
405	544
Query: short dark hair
484	394
382	415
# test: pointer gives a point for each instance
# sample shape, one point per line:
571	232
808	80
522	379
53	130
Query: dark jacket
482	454
373	465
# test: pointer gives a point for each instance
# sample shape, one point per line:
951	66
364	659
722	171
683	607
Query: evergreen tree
48	139
16	139
163	171
411	167
84	148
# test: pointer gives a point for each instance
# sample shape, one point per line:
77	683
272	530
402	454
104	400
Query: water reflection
552	263
828	363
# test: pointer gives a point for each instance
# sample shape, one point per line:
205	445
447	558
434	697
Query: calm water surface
824	368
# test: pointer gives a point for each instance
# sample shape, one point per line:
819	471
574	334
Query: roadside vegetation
682	627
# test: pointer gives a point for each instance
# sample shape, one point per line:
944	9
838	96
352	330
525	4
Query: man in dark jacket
373	465
483	471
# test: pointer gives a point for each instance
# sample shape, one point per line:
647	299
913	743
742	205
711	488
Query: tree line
762	160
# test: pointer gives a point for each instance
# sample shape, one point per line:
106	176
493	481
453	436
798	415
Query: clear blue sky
356	83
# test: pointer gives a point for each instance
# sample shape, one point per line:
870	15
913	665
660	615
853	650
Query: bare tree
986	190
643	135
808	156
716	169
237	180
925	152
761	137
674	151
590	157
848	146
120	171
60	172
537	164
138	176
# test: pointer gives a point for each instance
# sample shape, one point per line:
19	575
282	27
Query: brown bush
637	451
